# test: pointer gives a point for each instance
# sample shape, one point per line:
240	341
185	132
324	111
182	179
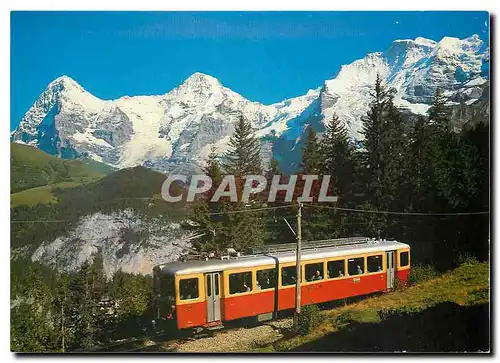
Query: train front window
266	279
404	259
356	266
288	275
240	282
188	289
335	269
167	289
314	271
374	263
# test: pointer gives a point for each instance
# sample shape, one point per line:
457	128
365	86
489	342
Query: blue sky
264	56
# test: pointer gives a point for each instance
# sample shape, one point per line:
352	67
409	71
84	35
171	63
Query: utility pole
298	273
62	324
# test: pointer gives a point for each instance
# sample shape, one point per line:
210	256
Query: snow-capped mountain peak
200	80
177	129
200	89
65	81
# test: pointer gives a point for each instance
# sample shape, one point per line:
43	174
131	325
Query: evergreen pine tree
439	113
61	310
274	167
243	156
336	154
418	167
382	129
83	308
311	157
213	167
239	230
372	130
208	224
445	152
31	327
133	294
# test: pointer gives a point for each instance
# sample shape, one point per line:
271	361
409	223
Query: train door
391	264
212	291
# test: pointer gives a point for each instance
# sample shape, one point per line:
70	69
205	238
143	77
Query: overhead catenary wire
124	218
283	207
250	210
395	212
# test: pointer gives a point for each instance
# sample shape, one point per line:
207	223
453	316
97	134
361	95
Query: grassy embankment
446	313
34	174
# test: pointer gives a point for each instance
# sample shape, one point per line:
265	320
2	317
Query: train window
374	263
404	259
240	282
314	271
266	279
288	275
167	289
335	269
188	288
209	285
216	284
356	266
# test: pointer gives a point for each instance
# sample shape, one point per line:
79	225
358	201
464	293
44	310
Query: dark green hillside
136	188
31	168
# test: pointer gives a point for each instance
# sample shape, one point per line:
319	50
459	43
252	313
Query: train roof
212	265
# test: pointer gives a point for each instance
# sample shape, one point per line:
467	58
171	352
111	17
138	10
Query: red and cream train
207	293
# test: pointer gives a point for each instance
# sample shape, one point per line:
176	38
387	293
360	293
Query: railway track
173	342
128	344
152	343
145	343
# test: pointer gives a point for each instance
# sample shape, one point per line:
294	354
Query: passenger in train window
188	289
335	269
355	266
318	276
240	282
314	271
374	263
288	275
266	278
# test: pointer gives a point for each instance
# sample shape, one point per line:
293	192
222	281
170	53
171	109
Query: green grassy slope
358	325
35	174
31	168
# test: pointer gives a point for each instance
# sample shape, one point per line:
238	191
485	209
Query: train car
208	293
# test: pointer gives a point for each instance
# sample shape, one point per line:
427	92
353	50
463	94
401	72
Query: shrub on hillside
309	317
399	284
465	258
420	273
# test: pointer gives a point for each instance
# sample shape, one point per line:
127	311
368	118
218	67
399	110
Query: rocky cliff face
124	240
176	130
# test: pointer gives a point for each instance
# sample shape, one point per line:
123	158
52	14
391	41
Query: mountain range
175	131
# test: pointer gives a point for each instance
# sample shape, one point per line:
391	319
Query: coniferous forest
422	181
419	180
